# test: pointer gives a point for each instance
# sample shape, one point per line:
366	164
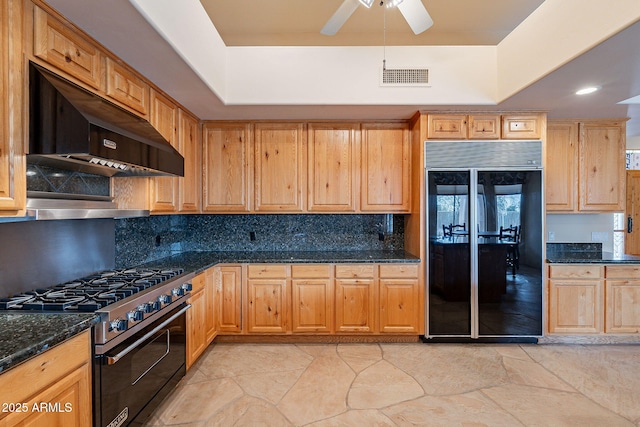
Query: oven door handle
113	359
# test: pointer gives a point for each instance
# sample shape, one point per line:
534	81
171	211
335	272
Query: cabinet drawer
399	271
197	283
576	271
310	271
262	271
622	271
353	271
521	127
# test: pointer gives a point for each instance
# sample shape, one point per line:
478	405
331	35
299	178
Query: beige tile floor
408	385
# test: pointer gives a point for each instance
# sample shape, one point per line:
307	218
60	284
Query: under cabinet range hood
71	128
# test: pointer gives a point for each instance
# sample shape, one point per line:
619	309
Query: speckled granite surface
23	335
585	253
200	261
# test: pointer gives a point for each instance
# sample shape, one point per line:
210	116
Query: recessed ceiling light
587	90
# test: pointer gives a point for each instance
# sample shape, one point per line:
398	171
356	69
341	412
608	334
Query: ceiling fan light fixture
392	3
366	3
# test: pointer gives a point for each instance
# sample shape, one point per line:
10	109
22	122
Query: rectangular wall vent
404	77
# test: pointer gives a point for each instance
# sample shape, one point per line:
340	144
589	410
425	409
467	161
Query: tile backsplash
140	240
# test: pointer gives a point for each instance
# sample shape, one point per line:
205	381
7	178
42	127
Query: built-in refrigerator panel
481	283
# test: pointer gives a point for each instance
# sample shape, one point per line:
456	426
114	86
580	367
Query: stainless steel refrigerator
483	284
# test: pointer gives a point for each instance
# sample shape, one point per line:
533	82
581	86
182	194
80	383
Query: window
508	204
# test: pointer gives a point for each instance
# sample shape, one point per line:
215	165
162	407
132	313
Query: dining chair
511	235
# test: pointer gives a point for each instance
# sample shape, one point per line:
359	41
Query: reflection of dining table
481	233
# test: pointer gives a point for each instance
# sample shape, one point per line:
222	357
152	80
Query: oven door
131	379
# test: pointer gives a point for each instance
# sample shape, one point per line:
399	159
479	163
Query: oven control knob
177	292
187	287
119	325
147	307
135	315
155	305
164	299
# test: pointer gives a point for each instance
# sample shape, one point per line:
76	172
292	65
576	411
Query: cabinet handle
629	224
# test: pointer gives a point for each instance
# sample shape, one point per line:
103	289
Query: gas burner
90	293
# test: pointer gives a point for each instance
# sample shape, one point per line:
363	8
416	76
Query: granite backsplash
564	250
140	240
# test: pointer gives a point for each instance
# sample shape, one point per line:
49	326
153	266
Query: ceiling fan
413	11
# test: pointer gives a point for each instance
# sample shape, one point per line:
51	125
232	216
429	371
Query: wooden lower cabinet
622	296
576	295
201	324
311	299
60	378
399	299
229	297
267	299
325	299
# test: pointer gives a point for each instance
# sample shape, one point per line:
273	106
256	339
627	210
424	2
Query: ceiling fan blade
338	19
416	15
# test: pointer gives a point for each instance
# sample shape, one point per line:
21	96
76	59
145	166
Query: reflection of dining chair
446	230
512	235
458	227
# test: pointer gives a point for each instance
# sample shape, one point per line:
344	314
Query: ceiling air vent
404	77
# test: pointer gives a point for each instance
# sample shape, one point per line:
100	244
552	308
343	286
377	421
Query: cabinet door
332	167
211	306
312	305
12	159
229	298
164	190
226	160
485	126
561	167
386	171
267	303
124	86
576	306
355	305
622	306
399	305
447	126
528	126
66	49
189	188
280	163
602	166
196	325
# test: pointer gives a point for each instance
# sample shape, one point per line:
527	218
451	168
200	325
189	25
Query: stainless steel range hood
71	128
49	208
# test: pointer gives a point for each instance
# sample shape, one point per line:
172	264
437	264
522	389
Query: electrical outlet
599	236
551	236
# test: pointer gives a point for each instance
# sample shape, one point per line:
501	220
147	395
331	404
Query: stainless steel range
139	343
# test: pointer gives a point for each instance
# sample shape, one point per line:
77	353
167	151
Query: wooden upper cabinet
226	172
385	180
124	86
561	168
66	49
189	188
280	173
522	126
484	126
447	126
602	166
462	126
164	190
12	109
333	151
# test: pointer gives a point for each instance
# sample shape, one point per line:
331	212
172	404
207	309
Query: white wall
569	228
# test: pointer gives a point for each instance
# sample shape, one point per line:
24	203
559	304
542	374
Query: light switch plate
551	236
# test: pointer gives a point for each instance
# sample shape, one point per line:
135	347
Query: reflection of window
508	203
452	205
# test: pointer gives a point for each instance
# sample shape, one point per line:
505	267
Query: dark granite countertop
578	257
200	261
26	334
